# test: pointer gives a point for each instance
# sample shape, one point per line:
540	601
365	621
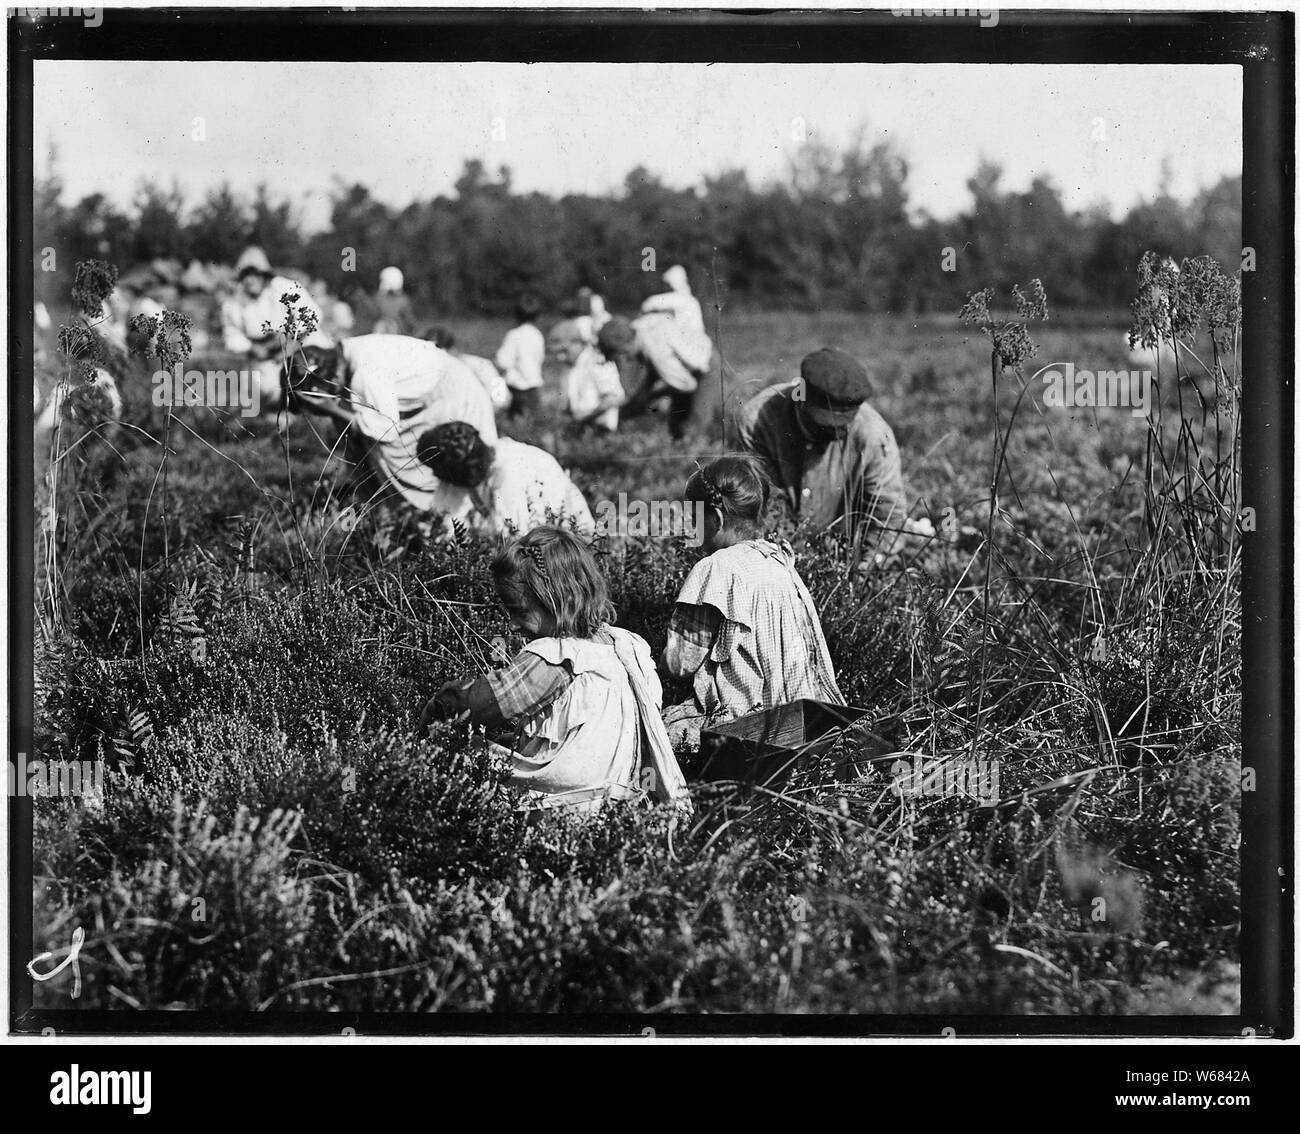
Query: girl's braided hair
736	486
456	453
555	571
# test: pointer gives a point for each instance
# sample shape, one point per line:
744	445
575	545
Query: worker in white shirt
484	369
385	391
252	320
676	351
679	301
520	358
592	385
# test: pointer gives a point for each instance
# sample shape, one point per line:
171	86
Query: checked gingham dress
746	627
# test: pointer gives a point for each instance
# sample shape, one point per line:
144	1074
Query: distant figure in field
831	456
340	321
592	386
508	488
42	324
94	404
520	358
394	315
678	301
484	370
599	313
255	307
588	311
386	392
674	349
364	312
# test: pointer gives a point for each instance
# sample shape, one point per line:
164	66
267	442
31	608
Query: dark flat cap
835	379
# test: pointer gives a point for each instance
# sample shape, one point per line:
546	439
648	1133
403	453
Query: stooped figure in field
670	350
582	698
676	348
587	309
830	455
251	320
507	488
483	369
744	627
592	386
385	392
678	301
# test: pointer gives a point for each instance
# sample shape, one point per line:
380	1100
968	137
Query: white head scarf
675	278
391	280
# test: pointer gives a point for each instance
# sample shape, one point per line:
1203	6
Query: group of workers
417	424
419	416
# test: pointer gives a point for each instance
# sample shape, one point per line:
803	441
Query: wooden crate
764	747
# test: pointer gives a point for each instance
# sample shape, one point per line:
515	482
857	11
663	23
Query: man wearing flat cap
829	453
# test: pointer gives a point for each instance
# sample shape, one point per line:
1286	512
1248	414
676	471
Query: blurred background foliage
835	233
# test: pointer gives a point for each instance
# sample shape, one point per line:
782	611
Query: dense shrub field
250	654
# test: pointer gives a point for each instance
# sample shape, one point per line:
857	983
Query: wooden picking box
764	747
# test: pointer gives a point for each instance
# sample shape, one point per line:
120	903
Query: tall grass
342	862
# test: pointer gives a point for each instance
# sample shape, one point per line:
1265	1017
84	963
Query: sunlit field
249	653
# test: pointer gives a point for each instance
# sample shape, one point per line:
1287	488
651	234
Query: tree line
834	233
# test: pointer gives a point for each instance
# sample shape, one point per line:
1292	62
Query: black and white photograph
651	524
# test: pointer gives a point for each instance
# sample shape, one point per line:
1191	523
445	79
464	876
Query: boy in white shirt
592	384
520	358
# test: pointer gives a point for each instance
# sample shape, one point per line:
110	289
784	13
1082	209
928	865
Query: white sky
404	129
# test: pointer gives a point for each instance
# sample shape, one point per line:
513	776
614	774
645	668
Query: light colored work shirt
827	483
588	738
400	387
490	379
243	320
525	489
592	380
521	355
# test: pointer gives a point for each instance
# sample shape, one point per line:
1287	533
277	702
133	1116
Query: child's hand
448	704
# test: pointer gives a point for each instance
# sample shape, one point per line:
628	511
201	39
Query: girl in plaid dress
744	627
582	698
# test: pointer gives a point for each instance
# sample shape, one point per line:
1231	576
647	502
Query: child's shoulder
739	569
738	557
613	635
577	655
716	577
